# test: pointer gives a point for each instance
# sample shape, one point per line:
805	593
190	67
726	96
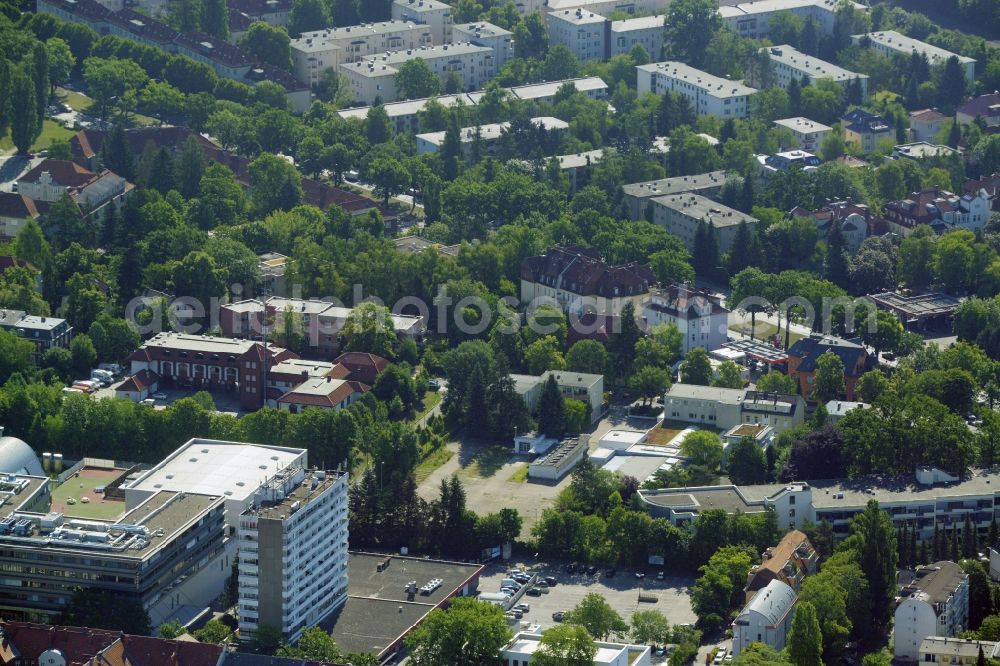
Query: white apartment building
433	13
482	33
680	214
374	76
293	552
936	603
603	7
646	31
488	135
790	63
888	42
319	50
752	19
709	95
767	618
930	497
583	32
697	313
404	115
806	134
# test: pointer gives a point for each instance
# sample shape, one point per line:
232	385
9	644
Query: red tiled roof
17	206
928	116
63	172
980	106
336	395
362	366
579	271
7	261
140	381
149	651
78	644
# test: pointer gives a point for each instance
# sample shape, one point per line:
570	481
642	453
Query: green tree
315	645
776	382
650	627
268	44
215	18
369	329
543	354
719	588
61	60
214	631
596	616
275	184
747	463
267	639
415	79
829	377
696	368
308	15
171	629
703	448
84	354
468	633
565	645
690	26
588	356
24	125
650	382
805	641
551	409
875	544
730	376
881	332
388	176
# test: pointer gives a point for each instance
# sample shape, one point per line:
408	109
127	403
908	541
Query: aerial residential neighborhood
499	332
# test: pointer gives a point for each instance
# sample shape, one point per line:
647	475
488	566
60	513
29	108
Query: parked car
551	581
571	567
639	575
543	584
558	616
720	656
434	384
516	613
160	396
534	592
524	608
352	176
660	575
149	402
591	570
610	573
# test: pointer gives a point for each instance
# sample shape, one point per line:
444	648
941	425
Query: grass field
662	436
431	400
50	130
431	462
82	485
74	100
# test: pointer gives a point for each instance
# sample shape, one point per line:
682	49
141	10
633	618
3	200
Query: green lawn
74	100
96	509
431	462
520	475
431	400
51	130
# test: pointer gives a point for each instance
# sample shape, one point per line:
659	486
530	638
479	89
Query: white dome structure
16	457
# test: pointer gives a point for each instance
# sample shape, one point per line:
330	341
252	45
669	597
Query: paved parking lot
621	592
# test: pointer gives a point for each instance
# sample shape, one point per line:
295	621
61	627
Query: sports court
85	502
